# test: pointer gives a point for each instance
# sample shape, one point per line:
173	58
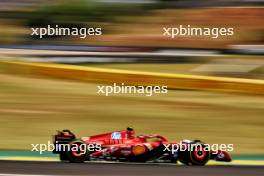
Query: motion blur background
33	106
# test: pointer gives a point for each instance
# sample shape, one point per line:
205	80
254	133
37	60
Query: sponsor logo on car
116	135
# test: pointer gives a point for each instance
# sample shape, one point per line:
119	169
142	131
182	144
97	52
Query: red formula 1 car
126	147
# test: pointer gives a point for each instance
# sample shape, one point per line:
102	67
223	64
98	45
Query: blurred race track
56	168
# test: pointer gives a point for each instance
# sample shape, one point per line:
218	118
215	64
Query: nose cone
223	156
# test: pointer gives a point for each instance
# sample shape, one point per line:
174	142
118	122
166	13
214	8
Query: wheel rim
200	154
77	153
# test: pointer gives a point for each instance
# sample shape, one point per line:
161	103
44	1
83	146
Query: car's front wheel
196	155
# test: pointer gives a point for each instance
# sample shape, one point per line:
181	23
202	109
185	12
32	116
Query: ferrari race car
124	146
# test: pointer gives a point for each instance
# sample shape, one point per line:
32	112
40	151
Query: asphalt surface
117	169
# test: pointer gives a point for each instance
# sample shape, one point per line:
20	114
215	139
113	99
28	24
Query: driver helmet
130	133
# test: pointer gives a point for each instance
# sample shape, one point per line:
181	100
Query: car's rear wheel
63	156
77	152
196	156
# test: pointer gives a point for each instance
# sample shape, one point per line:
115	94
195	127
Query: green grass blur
33	108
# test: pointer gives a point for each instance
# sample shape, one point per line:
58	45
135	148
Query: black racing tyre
77	152
63	156
197	156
